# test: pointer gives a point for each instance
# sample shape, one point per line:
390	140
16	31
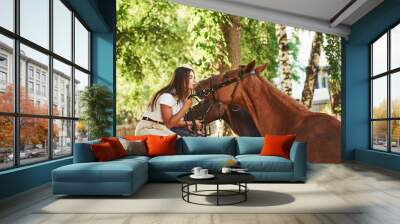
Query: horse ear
260	68
250	66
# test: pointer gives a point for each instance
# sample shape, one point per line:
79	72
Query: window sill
26	167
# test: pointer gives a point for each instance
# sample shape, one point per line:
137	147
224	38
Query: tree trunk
231	31
312	71
335	99
284	61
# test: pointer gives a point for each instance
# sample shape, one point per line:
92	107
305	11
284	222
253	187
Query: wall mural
195	72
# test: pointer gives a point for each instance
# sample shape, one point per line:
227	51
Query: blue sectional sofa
125	176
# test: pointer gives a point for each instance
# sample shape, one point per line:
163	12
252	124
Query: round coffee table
238	179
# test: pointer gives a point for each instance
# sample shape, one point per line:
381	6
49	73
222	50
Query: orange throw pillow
161	145
103	152
116	145
277	145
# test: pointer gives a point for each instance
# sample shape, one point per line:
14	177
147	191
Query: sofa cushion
111	171
207	145
131	158
257	163
249	145
83	152
161	145
185	163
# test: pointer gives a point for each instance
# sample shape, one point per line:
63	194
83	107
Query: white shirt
166	99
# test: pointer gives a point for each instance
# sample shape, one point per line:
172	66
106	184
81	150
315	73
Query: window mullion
73	82
371	137
16	84
50	81
389	106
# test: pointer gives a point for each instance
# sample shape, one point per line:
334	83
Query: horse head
240	120
226	87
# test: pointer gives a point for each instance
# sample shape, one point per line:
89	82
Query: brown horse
238	119
274	112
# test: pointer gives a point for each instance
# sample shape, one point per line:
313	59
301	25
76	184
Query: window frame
388	74
16	114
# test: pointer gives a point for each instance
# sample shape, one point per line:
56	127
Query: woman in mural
167	108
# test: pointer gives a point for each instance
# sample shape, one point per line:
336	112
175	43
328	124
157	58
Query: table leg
217	194
245	193
188	189
196	188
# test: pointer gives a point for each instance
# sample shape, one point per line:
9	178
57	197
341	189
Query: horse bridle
215	86
212	90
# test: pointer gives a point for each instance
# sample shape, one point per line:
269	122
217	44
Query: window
38	89
3	72
7	142
30	72
41	83
34	21
3	61
44	91
62	31
6	73
385	94
3	78
81	45
30	87
37	74
62	74
33	148
81	81
7	14
62	137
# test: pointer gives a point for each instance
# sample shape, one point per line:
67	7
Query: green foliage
150	38
207	40
332	49
258	41
294	46
97	105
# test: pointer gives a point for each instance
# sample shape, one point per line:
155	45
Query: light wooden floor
378	189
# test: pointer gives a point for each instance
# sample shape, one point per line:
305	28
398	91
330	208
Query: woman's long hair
178	86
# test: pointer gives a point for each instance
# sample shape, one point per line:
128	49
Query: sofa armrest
83	152
298	155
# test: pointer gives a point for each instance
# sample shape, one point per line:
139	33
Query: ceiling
327	16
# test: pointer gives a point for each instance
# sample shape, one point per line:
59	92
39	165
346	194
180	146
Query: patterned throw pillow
134	147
